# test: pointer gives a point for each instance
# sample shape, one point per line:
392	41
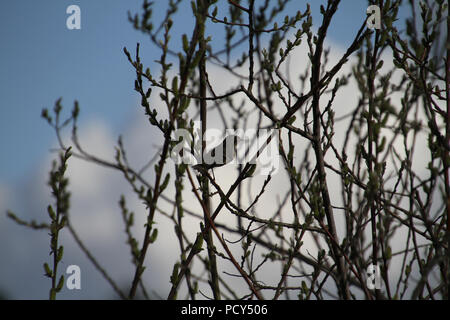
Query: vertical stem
140	262
54	240
207	233
320	162
372	158
447	139
250	44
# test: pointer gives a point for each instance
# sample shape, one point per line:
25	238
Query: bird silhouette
222	154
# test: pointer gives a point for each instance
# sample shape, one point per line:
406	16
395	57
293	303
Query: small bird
222	154
296	107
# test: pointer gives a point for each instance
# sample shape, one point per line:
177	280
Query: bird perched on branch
222	154
295	107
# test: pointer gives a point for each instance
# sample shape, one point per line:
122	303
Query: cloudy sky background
41	61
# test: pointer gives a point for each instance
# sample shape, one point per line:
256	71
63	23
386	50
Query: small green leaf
76	110
165	183
60	253
250	171
305	287
407	270
185	101
63	222
185	43
48	271
149	196
388	252
174	276
68	153
198	243
51	212
148	93
291	120
380	65
60	284
153	236
175	84
44	113
141	270
127	53
130	221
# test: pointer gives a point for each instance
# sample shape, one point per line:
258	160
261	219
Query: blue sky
41	61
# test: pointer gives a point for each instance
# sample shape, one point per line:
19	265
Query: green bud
175	84
51	212
198	243
154	236
174	276
60	253
60	284
185	43
48	271
165	183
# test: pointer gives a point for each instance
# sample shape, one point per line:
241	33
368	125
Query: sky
41	61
